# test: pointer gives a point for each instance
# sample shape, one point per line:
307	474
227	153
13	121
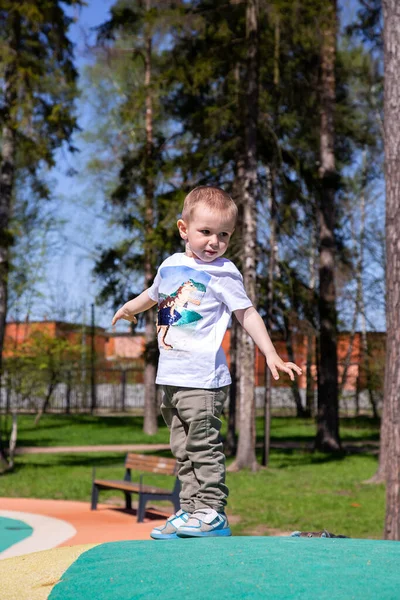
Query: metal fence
72	391
120	390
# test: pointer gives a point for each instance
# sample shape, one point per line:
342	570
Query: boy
196	292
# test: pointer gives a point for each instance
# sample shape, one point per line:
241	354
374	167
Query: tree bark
273	248
391	39
381	474
236	339
150	425
46	402
246	456
231	437
7	176
327	438
359	290
360	293
7	168
300	413
311	337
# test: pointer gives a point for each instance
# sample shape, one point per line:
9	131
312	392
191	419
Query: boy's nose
214	240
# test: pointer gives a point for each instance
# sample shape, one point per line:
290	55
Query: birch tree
131	58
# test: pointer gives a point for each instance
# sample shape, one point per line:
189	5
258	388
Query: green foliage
138	175
44	78
33	226
37	98
198	63
36	366
369	25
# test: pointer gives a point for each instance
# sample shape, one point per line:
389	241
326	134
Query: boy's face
207	234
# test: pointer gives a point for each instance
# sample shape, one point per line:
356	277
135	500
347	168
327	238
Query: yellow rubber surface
33	576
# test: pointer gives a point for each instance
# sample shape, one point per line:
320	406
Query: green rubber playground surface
235	568
12	531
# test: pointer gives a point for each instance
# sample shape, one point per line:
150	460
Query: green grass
75	430
309	492
78	430
299	490
303	430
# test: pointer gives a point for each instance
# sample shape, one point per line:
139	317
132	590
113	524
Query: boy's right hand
122	313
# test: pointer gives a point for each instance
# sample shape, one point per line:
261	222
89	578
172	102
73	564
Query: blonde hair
213	198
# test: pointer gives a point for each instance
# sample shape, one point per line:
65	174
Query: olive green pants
193	418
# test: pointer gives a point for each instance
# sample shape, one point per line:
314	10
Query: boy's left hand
275	362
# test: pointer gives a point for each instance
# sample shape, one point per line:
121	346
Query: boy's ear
182	228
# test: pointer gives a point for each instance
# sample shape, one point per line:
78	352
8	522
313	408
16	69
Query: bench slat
150	459
156	470
153	464
130	486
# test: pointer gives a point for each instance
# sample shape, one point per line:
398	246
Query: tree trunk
13	440
311	338
310	396
293	384
391	37
358	275
7	170
150	425
236	338
365	348
360	292
231	437
381	474
270	301
246	456
7	175
46	402
327	438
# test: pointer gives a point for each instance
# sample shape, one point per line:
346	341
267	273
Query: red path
106	524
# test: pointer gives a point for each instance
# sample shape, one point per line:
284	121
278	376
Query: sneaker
205	522
168	531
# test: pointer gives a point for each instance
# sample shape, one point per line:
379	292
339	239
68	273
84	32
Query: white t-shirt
195	302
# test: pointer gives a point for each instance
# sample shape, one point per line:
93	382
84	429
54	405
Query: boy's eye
224	234
205	231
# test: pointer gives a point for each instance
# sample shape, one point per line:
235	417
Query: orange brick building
17	333
125	350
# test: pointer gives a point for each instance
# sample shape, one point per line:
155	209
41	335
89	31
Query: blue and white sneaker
168	531
205	522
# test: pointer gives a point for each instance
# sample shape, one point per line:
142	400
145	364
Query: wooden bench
149	464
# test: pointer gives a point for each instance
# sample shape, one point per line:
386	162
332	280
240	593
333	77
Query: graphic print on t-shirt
181	290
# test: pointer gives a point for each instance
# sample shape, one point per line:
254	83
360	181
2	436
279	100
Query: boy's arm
255	327
131	308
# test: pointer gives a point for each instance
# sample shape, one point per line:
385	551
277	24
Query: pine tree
203	118
392	172
130	55
245	456
327	438
37	104
37	108
205	100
